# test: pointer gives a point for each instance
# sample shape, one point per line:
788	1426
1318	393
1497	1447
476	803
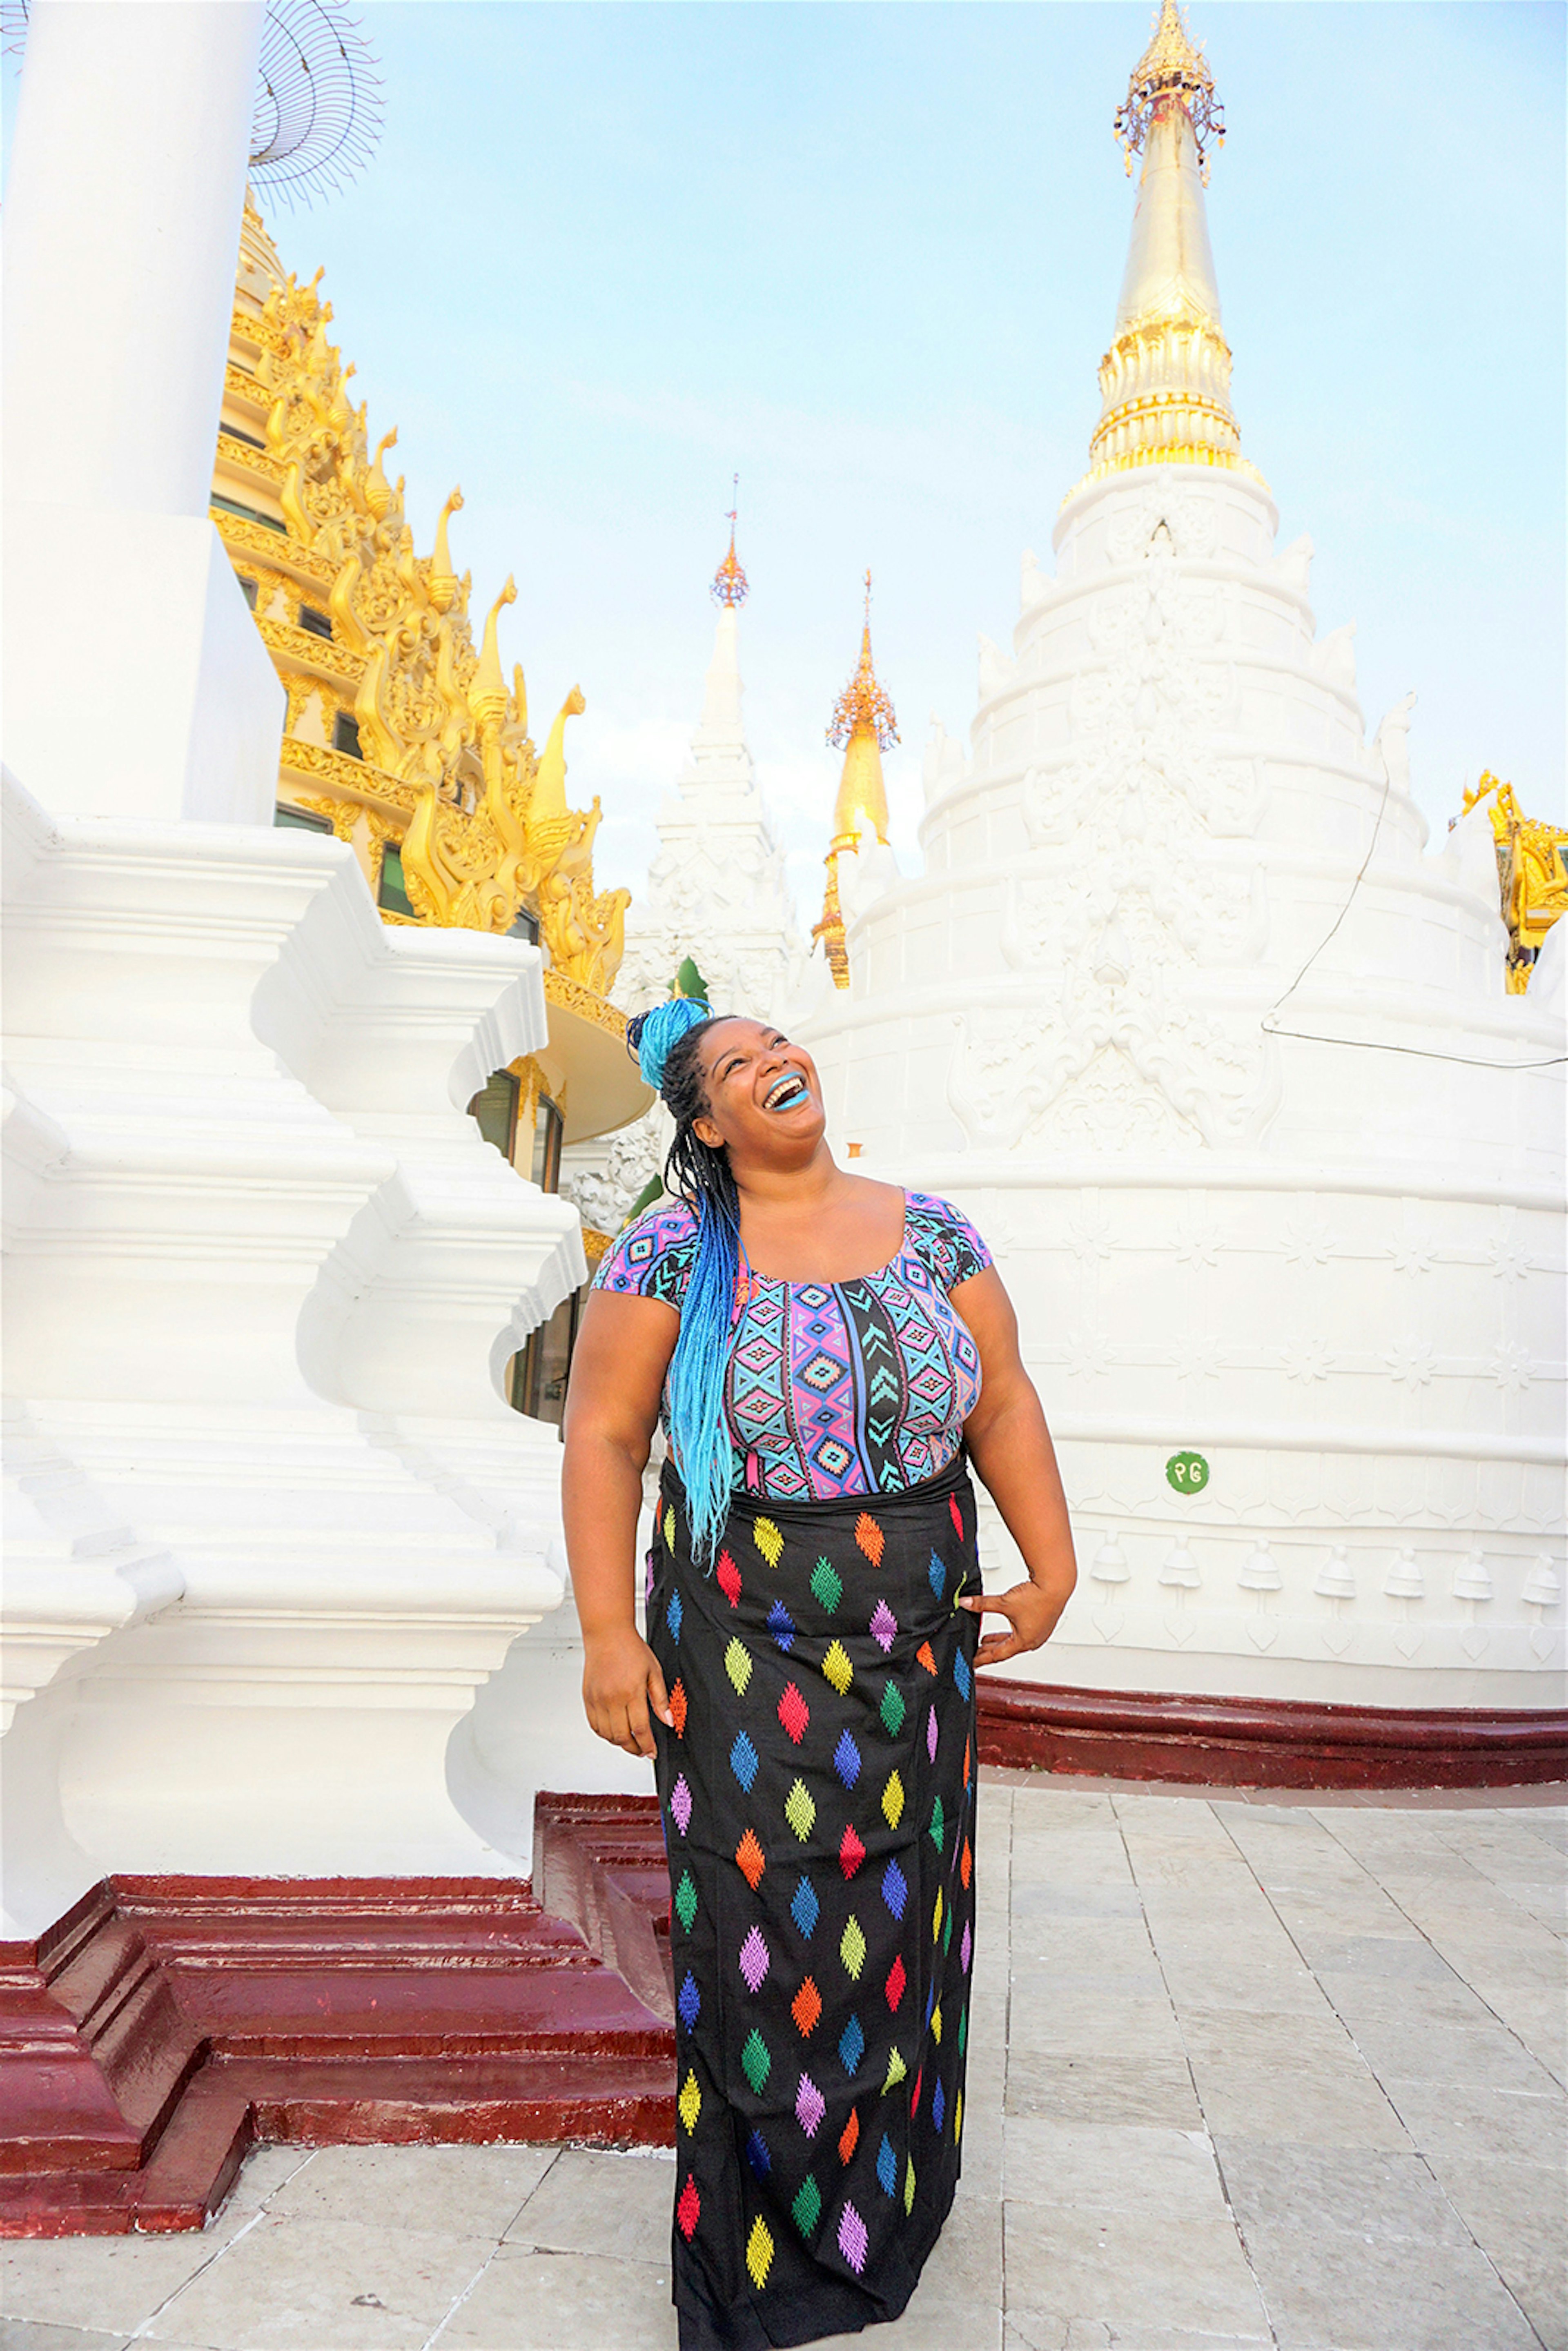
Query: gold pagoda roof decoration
1532	874
401	731
1172	64
731	586
865	725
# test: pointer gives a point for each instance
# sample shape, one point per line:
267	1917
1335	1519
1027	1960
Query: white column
136	684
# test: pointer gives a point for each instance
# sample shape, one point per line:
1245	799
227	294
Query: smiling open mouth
788	1092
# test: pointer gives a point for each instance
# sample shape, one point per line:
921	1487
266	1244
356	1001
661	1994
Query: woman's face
764	1097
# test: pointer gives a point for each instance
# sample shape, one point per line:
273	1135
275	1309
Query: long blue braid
665	1041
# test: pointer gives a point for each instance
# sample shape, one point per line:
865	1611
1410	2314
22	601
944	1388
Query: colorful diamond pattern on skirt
853	2240
768	1541
806	2008
799	1810
827	1589
794	1714
754	1960
750	1859
756	2063
836	1666
813	1984
809	2106
759	2252
805	1908
728	1578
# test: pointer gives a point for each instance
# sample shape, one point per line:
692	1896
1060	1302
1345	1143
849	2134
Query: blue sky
868	255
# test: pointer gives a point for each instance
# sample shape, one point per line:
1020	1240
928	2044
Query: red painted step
167	2025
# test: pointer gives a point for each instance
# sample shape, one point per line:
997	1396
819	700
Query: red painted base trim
165	2024
1243	1742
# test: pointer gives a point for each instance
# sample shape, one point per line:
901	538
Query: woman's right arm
618	1365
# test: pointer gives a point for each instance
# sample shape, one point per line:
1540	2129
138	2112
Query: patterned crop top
834	1387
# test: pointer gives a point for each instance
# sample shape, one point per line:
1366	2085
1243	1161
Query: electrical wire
1374	1044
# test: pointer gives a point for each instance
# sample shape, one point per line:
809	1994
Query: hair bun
650	1036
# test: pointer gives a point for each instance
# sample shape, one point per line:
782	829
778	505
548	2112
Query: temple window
300	820
526	926
248	514
246	589
346	737
494	1111
237	432
318	624
393	895
540	1374
550	1128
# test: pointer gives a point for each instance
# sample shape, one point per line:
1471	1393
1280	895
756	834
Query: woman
823	1350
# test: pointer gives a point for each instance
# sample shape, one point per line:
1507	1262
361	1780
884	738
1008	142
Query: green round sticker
1188	1473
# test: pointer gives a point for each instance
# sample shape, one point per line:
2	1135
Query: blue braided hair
665	1042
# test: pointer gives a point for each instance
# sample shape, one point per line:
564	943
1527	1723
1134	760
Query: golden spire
729	582
1164	382
864	722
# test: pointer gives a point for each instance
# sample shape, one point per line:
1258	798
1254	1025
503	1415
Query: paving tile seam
1232	2214
138	2332
473	2285
1417	2151
1438	1952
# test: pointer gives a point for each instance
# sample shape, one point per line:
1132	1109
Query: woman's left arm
1011	1446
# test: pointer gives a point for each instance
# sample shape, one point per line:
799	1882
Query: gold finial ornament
1164	383
1532	875
731	585
866	723
1172	64
863	706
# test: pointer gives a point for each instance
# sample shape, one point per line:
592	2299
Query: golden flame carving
490	832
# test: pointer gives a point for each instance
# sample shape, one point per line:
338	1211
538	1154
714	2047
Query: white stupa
717	889
716	893
1220	1058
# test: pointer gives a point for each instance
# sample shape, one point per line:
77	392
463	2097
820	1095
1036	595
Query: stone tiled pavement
1243	2073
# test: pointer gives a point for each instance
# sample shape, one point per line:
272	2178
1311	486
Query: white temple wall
270	1524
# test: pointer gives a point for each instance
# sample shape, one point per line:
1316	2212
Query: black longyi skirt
817	1793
